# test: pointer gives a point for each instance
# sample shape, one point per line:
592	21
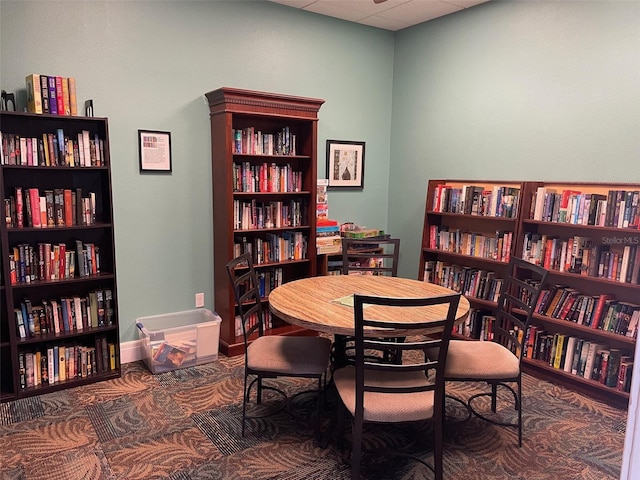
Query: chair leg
259	392
438	433
245	399
356	449
519	407
494	397
319	394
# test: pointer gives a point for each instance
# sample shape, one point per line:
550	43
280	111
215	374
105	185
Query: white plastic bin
180	339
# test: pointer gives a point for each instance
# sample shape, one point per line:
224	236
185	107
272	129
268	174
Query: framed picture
154	148
345	164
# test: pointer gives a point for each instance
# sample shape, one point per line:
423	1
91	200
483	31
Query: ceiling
388	14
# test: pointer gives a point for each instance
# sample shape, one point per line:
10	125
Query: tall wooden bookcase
258	140
91	342
447	258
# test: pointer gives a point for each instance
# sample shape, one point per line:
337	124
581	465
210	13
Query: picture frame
345	164
154	149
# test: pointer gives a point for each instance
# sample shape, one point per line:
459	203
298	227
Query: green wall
504	90
147	65
513	90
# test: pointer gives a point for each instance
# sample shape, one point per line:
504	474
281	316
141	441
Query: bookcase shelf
242	121
542	229
86	232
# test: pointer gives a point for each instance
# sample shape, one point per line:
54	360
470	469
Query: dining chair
498	361
272	356
374	392
366	257
370	256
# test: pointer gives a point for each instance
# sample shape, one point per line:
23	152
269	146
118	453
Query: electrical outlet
199	300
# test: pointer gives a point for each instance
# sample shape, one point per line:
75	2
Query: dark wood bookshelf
523	224
89	179
235	109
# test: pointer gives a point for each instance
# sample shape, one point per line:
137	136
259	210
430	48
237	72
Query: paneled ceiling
387	14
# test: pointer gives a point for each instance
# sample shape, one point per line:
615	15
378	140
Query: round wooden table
314	302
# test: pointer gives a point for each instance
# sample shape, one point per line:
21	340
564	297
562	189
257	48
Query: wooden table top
311	302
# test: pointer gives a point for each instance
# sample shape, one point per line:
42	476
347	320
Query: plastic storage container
179	340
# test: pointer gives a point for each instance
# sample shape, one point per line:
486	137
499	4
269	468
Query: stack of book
328	239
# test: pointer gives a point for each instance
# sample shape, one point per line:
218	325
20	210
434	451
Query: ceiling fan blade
379	1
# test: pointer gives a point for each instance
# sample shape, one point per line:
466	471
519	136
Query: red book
34	200
68	208
59	96
599	309
566	307
62	261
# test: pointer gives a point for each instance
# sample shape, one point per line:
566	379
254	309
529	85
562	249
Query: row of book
66	314
471	282
51	208
251	141
268	279
616	208
578	356
253	320
617	260
266	178
63	362
51	94
46	262
479	325
274	247
496	247
252	214
600	312
498	201
53	150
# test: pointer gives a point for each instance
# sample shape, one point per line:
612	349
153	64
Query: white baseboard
131	351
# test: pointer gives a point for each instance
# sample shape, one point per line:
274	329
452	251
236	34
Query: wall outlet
199	300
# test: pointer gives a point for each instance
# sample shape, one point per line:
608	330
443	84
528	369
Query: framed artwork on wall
345	164
154	148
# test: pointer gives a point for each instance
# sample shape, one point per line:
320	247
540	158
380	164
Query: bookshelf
566	241
62	266
264	169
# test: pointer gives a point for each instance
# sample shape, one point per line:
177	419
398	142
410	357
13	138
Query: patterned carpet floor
185	425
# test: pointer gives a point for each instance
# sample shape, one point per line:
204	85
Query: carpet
185	425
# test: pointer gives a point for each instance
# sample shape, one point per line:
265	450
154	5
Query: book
556	293
167	354
624	375
108	307
100	308
59	95
613	366
569	354
22	332
584	353
34	200
560	351
73	100
44	93
62	363
64	83
53	98
34	93
68	207
599	309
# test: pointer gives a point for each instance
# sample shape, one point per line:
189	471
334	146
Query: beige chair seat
386	407
480	360
289	356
